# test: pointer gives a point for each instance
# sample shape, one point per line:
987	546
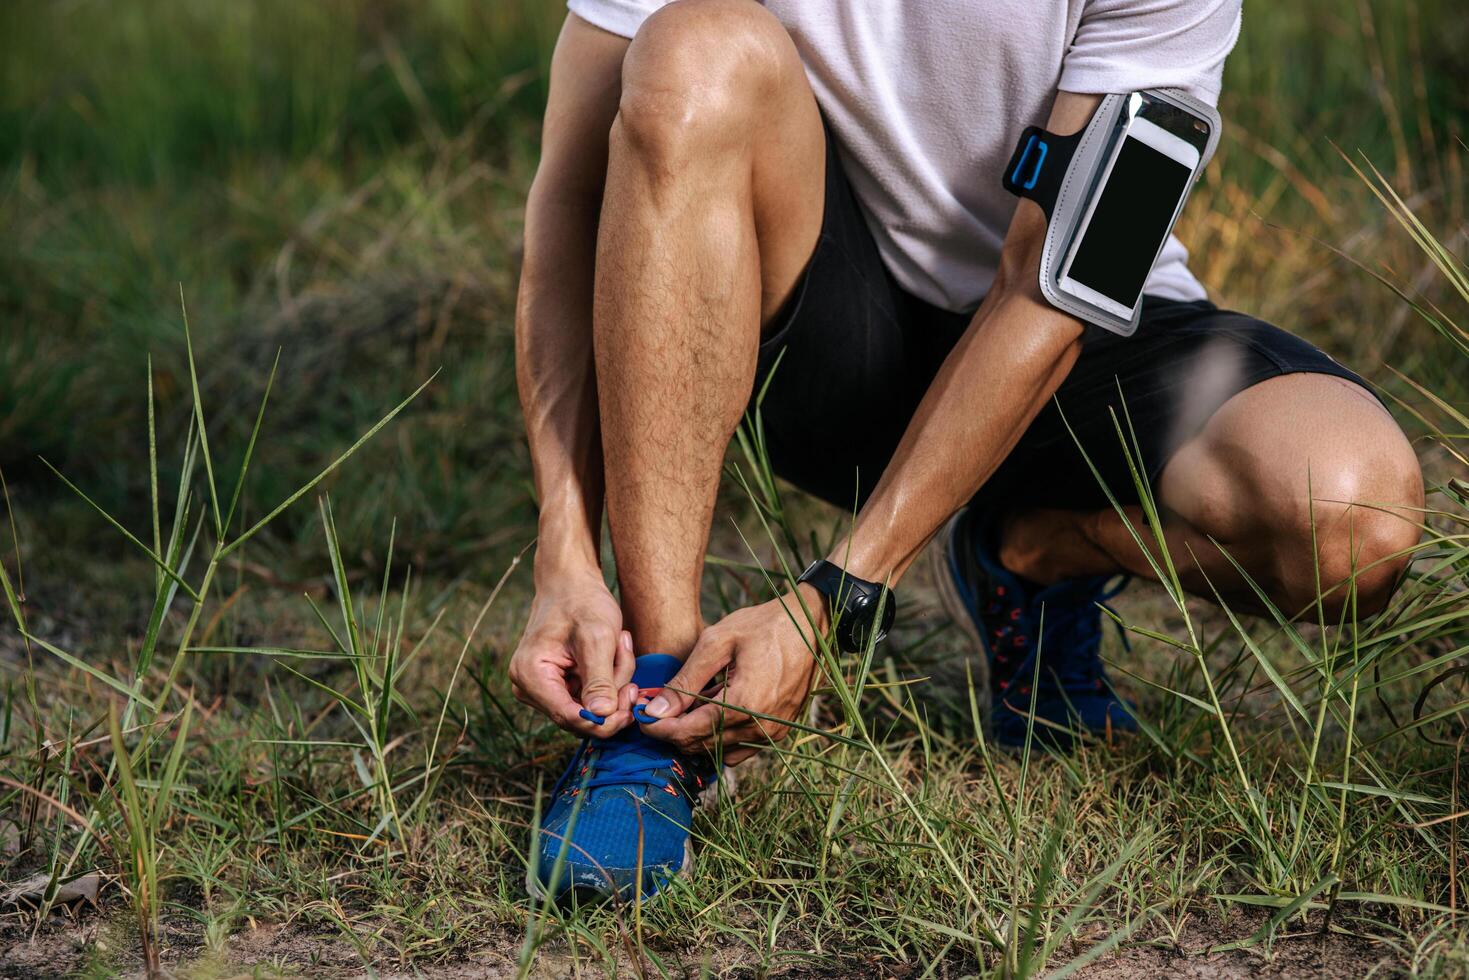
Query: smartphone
1143	188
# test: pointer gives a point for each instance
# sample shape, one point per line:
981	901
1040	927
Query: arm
573	646
1008	364
1015	354
553	315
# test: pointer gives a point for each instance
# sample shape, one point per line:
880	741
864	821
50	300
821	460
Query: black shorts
856	354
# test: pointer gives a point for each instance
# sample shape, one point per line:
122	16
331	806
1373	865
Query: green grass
283	734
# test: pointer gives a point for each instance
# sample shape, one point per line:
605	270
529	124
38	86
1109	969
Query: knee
1363	521
695	76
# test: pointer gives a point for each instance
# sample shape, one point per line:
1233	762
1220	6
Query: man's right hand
574	654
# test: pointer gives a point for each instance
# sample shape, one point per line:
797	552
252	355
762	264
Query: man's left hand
767	651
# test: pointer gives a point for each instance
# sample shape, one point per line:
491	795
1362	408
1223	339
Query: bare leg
1247	481
713	204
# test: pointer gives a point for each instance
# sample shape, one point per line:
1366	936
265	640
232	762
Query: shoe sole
940	560
538	894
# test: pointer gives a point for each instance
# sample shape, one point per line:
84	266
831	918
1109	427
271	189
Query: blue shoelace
616	763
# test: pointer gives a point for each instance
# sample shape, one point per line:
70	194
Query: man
723	183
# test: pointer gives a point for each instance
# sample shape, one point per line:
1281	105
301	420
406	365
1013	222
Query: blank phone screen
1130	222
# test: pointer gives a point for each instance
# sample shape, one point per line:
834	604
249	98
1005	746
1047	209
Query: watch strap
824	577
839	587
835	582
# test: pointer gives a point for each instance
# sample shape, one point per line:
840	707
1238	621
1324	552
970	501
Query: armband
1111	194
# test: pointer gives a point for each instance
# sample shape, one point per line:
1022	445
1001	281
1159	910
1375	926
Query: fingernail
657	707
602	706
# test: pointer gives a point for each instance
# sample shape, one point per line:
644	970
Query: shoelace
1070	626
617	763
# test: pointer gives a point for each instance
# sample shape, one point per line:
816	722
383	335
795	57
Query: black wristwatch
853	604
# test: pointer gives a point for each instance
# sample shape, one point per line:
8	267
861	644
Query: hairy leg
713	204
1274	459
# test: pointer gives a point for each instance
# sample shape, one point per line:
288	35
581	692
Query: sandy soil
66	946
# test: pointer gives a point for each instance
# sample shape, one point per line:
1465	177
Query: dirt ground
86	944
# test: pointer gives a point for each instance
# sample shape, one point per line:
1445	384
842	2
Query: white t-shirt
928	97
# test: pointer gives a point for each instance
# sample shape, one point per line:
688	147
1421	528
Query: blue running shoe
1001	613
621	811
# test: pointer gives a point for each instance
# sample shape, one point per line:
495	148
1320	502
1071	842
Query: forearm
554	370
1015	354
553	315
998	377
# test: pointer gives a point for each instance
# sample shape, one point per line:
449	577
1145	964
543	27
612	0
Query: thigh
1291	453
1306	481
715	90
787	178
1131	403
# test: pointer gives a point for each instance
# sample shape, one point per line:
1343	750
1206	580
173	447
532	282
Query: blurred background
343	180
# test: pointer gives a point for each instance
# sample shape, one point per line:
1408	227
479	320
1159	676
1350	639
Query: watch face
859	621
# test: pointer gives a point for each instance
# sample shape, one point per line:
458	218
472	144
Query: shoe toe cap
602	854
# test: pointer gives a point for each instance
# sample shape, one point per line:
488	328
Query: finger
717	704
611	724
699	726
735	744
596	649
627	697
740	742
625	662
759	732
733	757
519	683
692	732
711	727
620	717
545	690
724	742
710	656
